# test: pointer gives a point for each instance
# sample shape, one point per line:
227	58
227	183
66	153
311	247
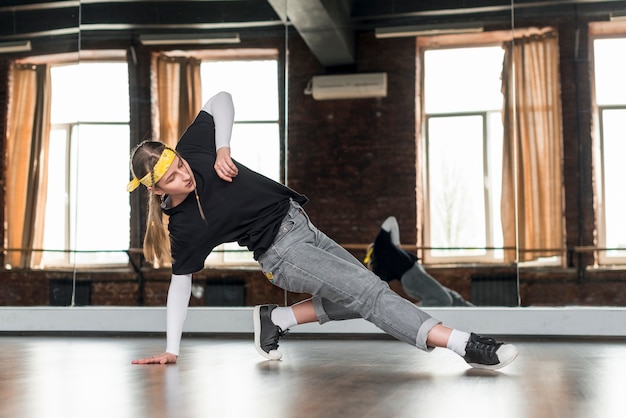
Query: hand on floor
158	359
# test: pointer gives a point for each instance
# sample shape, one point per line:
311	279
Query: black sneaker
266	334
487	353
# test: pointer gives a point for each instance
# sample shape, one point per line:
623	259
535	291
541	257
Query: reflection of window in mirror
467	169
256	136
608	45
88	165
462	106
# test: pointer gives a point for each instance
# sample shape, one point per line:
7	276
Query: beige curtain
179	96
532	161
28	130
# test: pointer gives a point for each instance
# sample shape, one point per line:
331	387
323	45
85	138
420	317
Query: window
87	206
610	99
255	139
463	153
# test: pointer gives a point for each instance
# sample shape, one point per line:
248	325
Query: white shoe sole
273	354
506	354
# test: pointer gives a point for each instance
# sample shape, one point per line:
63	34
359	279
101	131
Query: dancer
212	199
390	262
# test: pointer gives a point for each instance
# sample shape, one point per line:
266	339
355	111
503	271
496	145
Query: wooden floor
77	376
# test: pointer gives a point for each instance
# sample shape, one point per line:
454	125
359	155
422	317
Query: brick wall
355	159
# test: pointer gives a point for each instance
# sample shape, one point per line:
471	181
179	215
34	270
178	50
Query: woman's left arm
224	166
222	109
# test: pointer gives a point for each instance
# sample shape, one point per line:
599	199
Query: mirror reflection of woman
211	199
389	261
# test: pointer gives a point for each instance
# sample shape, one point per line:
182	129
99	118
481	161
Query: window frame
487	39
468	40
70	255
599	31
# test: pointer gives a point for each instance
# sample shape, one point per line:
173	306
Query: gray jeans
303	259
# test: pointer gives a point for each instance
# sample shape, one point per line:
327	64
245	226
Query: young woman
386	258
211	199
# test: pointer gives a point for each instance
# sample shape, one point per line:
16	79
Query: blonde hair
156	243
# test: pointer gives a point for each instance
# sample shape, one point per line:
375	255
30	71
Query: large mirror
39	41
487	135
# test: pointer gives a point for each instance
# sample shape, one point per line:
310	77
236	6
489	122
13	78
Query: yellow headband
158	171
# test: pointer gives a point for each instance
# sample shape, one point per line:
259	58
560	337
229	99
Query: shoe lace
481	343
279	334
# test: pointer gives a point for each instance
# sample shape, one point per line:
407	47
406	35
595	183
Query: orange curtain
178	96
27	138
532	189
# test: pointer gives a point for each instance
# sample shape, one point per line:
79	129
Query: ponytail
156	243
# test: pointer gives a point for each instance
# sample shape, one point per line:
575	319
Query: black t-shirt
247	211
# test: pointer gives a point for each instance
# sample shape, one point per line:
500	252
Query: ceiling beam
324	25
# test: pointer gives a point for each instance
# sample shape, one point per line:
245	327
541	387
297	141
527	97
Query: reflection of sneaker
386	260
487	353
457	299
266	334
369	257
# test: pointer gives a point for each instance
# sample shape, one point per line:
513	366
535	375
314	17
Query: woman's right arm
177	303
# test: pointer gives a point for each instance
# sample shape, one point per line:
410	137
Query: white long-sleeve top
222	109
177	302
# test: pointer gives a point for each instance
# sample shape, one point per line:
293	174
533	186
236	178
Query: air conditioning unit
348	86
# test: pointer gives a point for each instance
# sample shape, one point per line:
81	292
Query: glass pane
96	92
101	207
88	206
610	68
66	100
456	184
257	146
463	80
253	85
614	126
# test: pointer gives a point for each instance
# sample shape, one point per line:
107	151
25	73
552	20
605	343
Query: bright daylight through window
256	138
87	207
610	96
463	103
